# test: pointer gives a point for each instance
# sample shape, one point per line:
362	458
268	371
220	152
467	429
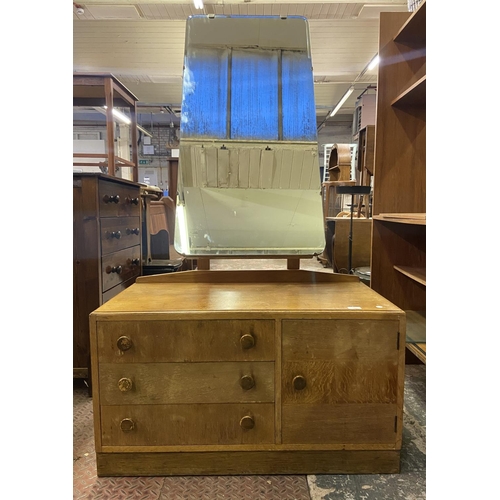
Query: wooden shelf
407	218
413	30
413	96
415	273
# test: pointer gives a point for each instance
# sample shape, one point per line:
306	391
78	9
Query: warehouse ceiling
141	42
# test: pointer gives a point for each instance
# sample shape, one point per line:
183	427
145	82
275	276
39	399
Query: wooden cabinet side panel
399	182
86	276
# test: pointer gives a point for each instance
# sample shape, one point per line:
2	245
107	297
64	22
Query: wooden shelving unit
399	209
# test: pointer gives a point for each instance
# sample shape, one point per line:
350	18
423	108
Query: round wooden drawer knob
127	425
124	384
124	343
247	382
247	341
299	383
247	422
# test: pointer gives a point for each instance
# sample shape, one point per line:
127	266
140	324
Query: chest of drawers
247	372
106	250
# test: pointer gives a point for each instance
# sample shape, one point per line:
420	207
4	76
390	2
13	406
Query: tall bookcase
399	208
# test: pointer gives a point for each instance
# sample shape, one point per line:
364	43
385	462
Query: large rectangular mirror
249	177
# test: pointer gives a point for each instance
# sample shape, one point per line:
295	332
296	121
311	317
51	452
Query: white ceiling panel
142	42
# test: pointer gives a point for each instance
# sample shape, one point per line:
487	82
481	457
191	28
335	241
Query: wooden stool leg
293	263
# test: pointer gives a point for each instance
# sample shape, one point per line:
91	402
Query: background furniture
339	162
247	372
99	90
106	250
399	220
365	164
337	246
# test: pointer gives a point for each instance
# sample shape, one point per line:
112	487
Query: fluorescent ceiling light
198	4
118	114
373	62
342	101
122	117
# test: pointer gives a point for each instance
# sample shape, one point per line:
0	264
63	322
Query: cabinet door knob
247	382
124	384
114	269
127	425
247	341
299	382
124	343
111	199
247	422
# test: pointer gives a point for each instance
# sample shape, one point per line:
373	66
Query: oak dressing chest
247	372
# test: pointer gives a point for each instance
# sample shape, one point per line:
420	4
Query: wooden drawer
113	292
118	200
162	383
119	233
187	424
120	266
179	341
340	381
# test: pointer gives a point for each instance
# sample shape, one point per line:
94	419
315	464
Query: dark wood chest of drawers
106	250
247	372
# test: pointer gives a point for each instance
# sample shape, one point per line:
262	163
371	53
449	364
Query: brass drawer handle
133	231
124	343
299	383
247	341
127	425
115	234
124	384
247	422
247	382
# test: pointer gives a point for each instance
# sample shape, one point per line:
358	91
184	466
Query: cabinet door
341	382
